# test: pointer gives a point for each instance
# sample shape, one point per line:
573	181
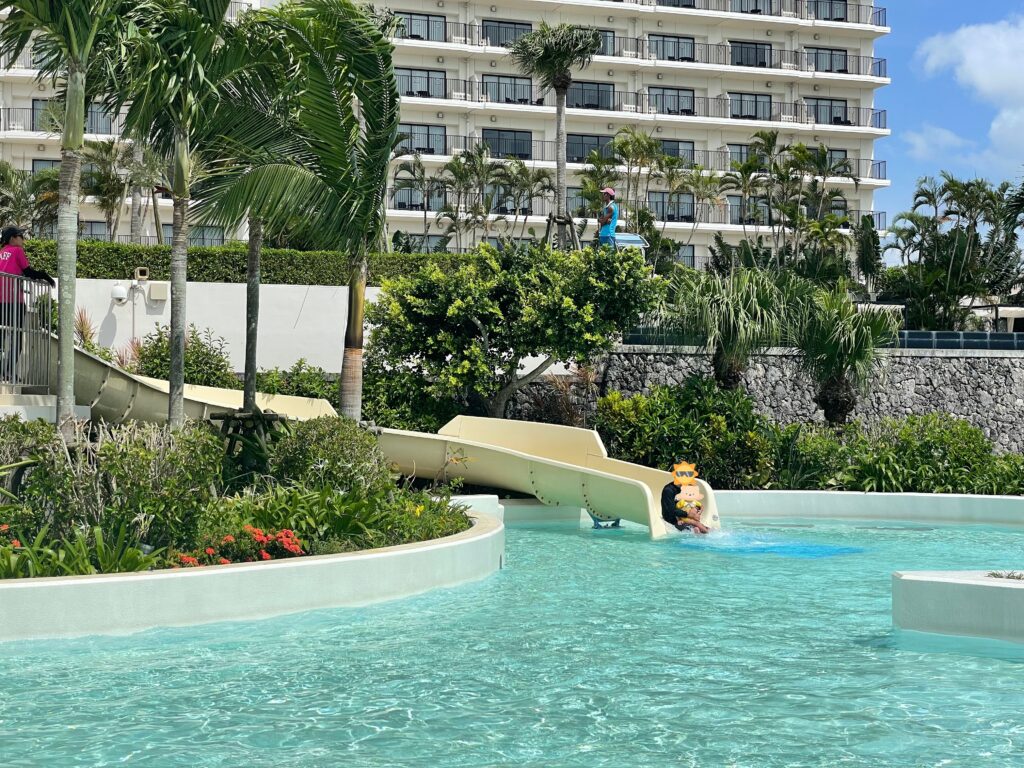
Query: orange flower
229	539
224	561
15	543
210	550
264	554
4	527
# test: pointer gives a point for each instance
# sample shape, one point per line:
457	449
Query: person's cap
608	191
9	233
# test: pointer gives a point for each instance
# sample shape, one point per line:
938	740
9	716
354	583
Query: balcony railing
500	148
438	32
823	10
25	327
236	9
501	205
662	104
41	121
23	60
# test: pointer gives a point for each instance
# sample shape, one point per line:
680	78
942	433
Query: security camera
119	294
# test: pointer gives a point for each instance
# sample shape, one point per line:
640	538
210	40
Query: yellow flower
418	510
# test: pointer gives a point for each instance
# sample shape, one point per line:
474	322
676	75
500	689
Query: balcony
40	121
236	9
501	149
592	98
819	10
408	200
438	32
23	61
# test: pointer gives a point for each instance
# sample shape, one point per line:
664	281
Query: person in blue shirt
608	218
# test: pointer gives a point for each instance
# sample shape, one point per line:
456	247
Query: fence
26	318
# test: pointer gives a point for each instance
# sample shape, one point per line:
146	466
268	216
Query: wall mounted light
817	138
494	9
817	87
494	119
611	73
768	84
660	76
440	3
817	37
658	129
440	115
40	147
661	24
611	18
610	126
440	59
768	33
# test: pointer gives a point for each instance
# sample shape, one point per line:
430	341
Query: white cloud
933	142
987	60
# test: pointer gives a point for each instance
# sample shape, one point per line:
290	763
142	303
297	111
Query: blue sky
957	97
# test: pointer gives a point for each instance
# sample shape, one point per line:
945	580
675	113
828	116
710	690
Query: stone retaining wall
986	388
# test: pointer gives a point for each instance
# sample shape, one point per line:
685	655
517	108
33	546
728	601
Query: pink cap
608	191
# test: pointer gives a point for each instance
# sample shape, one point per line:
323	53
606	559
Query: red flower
210	550
4	527
15	543
188	560
264	554
224	561
229	539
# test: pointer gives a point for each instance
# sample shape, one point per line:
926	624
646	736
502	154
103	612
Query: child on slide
681	500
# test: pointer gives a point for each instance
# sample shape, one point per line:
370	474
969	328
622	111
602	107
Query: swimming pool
768	645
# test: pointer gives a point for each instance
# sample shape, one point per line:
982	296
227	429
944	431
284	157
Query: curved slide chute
114	395
560	466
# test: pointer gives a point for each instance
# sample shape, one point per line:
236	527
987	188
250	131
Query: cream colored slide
115	396
561	466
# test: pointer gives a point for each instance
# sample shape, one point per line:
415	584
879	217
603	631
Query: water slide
560	466
115	396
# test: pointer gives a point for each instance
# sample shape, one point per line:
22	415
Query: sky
957	96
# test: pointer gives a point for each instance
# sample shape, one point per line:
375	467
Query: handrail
26	317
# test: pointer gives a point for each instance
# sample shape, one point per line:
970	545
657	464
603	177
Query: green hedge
226	264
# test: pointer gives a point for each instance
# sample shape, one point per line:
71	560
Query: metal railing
582	97
26	318
504	205
23	60
42	121
236	9
988	340
821	10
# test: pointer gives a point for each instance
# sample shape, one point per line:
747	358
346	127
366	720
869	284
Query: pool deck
959	603
114	604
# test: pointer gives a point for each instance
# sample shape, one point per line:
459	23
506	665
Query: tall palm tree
638	152
839	345
67	37
550	54
189	55
322	164
412	175
748	180
706	191
106	180
523	185
929	194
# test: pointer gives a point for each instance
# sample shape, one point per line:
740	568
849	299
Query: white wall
296	321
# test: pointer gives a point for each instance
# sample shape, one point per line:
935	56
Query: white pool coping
114	604
959	603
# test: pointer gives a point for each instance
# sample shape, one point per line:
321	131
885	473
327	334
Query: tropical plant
411	175
321	165
550	54
206	359
106	179
172	81
731	315
70	39
839	345
522	185
468	332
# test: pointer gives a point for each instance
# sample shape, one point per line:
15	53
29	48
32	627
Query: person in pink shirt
13	264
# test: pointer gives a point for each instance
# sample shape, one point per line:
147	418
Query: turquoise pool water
769	645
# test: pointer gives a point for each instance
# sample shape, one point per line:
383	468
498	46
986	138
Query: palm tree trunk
179	278
560	162
67	244
117	215
351	394
136	221
252	312
156	217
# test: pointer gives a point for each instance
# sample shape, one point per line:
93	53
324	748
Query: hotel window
579	145
750	106
671	47
750	54
421	26
679	208
44	165
425	83
504	33
503	143
425	139
671	101
828	60
829	111
589	95
92	230
507	89
829	10
681	149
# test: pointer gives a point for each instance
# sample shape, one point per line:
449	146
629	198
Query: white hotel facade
701	76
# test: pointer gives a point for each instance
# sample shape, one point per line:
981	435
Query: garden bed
122	603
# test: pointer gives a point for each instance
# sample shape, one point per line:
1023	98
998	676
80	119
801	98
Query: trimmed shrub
733	446
301	380
227	263
330	452
206	358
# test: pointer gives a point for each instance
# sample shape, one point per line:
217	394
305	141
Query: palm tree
550	54
190	54
600	171
523	185
706	191
321	165
746	178
458	184
106	180
929	194
839	345
732	316
638	152
67	36
412	175
17	196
